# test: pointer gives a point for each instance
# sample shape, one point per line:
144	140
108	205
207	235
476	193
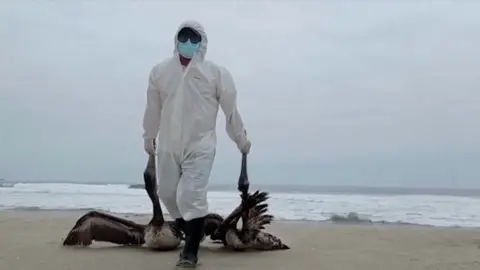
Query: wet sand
32	240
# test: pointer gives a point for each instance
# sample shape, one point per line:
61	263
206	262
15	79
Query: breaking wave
430	210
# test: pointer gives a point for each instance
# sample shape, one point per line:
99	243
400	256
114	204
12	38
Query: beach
32	240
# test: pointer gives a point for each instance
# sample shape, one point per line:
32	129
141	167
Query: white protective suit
182	107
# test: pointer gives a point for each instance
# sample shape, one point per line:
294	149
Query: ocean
430	207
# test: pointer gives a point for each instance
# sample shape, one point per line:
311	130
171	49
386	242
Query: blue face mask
188	49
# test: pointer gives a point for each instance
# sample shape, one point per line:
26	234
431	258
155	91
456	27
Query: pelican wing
248	202
97	226
251	210
256	216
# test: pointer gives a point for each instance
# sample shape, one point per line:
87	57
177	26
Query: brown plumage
253	212
103	227
157	234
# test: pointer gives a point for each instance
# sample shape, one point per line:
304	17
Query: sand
32	240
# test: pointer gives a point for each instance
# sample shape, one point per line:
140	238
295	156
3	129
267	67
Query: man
183	96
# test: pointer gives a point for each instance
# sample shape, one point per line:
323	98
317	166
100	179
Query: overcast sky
331	92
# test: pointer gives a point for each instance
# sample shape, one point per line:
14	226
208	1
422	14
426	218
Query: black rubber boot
194	235
180	224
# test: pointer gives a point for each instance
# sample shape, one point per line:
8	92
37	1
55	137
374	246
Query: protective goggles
188	33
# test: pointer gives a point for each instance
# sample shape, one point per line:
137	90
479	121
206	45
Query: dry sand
32	240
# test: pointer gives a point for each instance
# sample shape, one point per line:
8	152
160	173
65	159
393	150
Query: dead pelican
103	227
253	212
158	234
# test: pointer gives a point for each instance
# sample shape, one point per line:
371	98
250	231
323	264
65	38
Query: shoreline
438	211
329	223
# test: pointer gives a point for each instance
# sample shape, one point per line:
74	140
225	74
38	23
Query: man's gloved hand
149	146
246	148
